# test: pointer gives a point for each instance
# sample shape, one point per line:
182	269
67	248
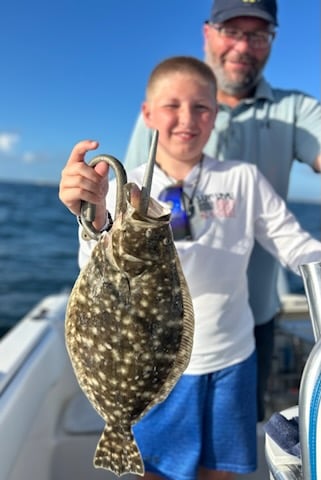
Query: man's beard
240	86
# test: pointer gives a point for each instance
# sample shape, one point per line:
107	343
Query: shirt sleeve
85	248
307	127
139	144
279	232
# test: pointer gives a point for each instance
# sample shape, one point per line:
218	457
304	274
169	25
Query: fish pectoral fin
118	452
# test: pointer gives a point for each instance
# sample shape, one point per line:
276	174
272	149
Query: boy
257	123
206	428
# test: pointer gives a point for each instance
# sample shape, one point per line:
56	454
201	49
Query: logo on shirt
217	205
224	205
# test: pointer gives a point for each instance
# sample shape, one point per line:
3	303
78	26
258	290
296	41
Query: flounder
129	326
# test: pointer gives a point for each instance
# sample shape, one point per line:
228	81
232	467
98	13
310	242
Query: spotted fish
129	326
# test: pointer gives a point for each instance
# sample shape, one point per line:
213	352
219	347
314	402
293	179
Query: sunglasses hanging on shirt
182	208
180	215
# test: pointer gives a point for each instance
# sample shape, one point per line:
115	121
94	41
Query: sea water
39	246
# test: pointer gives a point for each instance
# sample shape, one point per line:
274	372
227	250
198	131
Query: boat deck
48	429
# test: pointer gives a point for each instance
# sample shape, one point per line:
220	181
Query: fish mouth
155	211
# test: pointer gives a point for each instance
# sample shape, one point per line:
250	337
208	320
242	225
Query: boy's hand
81	182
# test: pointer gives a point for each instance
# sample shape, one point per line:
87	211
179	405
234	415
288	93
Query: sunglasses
181	211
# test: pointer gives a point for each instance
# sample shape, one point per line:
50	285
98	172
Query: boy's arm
139	144
279	232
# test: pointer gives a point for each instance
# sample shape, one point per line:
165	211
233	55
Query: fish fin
118	452
185	350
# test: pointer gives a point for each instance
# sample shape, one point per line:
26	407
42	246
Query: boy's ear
146	113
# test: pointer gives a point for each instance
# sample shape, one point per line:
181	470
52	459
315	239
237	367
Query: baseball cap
223	10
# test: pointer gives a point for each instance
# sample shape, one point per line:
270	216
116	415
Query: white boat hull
48	429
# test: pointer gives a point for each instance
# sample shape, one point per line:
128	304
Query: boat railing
282	465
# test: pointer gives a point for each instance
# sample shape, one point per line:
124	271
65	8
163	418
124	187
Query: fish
129	326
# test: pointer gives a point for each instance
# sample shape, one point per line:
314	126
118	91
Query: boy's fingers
80	149
101	168
78	156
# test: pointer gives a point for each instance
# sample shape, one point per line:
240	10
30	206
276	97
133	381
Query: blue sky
77	69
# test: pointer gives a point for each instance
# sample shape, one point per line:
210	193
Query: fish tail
118	452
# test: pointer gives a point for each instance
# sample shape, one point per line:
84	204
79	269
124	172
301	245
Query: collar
191	179
263	91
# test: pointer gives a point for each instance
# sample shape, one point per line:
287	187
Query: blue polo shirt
271	129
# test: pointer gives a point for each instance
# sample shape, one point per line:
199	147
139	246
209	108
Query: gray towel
285	433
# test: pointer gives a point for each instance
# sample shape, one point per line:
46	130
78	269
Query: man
256	123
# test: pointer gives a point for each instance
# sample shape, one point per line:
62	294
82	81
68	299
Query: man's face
237	64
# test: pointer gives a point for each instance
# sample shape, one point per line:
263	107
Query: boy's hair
181	64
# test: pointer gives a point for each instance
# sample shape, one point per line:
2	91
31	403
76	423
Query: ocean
39	245
38	248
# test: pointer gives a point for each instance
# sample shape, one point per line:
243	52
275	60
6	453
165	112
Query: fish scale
129	327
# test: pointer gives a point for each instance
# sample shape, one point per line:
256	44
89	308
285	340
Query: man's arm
308	132
317	163
139	144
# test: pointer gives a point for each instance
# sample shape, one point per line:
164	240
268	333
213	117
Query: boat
48	428
293	449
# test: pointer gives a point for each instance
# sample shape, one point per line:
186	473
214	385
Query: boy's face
182	107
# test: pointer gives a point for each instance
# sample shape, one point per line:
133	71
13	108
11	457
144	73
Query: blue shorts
207	420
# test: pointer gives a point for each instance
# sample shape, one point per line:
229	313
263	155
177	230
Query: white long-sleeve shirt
271	130
233	205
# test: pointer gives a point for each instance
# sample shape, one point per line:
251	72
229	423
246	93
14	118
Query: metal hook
147	182
88	210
